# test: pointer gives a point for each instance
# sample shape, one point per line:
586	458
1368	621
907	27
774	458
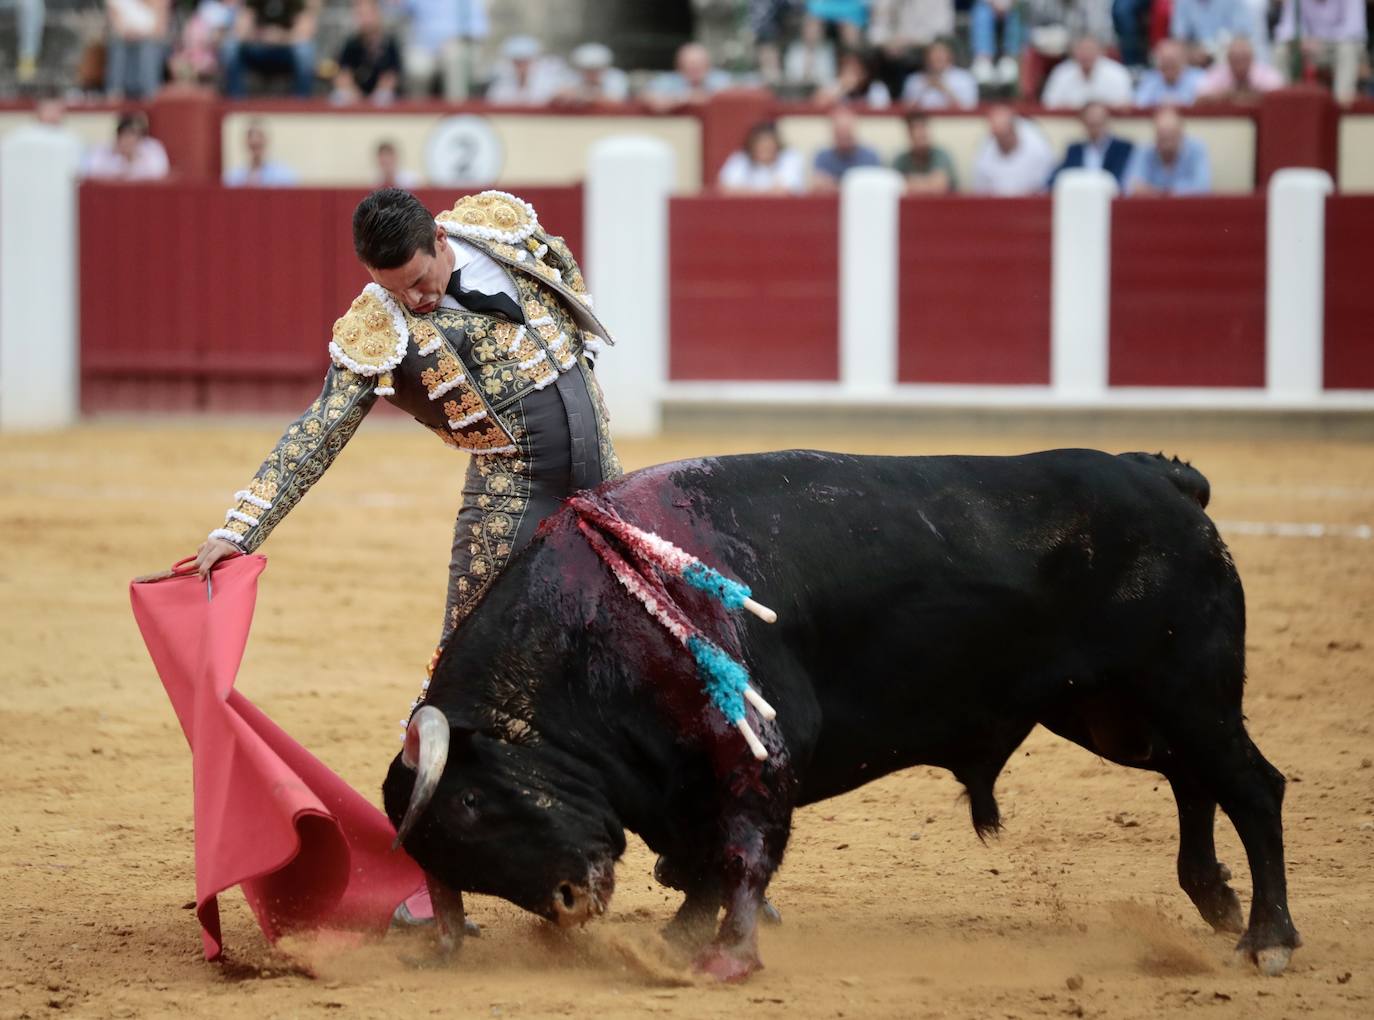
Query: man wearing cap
526	76
594	80
477	324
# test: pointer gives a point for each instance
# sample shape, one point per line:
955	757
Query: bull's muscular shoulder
370	338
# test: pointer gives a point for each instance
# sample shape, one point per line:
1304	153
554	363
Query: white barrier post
1294	291
869	198
38	285
625	208
1080	275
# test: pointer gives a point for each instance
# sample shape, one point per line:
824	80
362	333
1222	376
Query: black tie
476	301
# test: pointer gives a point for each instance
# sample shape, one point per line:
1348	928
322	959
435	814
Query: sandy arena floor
892	907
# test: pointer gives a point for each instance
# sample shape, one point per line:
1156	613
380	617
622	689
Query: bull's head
523	822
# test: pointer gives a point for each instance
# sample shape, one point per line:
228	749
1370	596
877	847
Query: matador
478	324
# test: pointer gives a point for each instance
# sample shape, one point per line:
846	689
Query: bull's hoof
768	913
725	966
1222	910
1273	961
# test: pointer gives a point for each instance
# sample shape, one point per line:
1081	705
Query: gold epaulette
490	216
371	337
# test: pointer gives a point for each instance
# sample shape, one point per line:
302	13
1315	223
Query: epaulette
490	216
371	337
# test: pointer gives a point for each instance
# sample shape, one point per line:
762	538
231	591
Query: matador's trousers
564	446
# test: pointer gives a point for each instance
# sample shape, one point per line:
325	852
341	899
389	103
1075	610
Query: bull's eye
470	800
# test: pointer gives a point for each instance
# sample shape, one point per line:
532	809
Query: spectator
855	84
1130	17
986	19
1052	25
1333	35
767	19
370	62
390	173
133	156
845	19
136	48
941	85
259	171
437	44
1172	82
1174	165
844	154
926	168
196	57
1086	77
1015	159
1240	78
1206	26
1101	150
526	76
29	16
694	81
763	165
898	27
272	36
595	80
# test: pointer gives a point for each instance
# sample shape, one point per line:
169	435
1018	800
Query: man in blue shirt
845	153
1174	165
1171	82
1101	150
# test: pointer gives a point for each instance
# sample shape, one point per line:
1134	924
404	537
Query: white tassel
761	611
431	347
227	535
385	391
755	745
239	515
444	387
244	496
754	698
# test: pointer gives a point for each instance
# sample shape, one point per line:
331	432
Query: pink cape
308	850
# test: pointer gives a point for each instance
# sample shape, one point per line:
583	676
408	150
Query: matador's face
420	283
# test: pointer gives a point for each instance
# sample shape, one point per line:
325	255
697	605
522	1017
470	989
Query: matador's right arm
368	342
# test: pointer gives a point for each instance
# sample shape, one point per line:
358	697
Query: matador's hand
213	550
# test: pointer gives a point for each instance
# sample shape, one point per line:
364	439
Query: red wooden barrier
1349	336
753	288
974	295
1187	292
200	297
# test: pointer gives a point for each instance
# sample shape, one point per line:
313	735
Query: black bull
932	611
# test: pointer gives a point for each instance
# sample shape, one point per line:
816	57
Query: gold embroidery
507	251
468	403
423	332
366	334
490	211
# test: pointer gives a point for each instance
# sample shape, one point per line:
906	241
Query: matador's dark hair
389	227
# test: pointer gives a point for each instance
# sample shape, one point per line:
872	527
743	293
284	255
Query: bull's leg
1202	877
692	924
451	922
1250	791
746	866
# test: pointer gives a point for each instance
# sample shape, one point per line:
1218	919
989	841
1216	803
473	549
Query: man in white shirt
132	157
941	85
1087	76
1014	160
525	76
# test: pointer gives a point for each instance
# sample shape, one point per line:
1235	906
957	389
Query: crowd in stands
928	53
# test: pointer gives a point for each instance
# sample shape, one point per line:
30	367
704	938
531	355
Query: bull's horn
425	751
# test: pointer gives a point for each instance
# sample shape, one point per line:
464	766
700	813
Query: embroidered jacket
457	372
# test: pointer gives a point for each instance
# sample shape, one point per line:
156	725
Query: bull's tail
1186	478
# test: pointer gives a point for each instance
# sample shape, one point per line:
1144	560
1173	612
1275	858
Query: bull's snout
574	903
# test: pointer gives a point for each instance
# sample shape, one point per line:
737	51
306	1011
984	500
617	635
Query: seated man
526	76
941	85
259	171
691	84
132	157
1171	82
370	62
1087	76
1101	150
1205	26
926	168
1174	165
1333	35
596	81
1240	78
844	154
1014	160
272	36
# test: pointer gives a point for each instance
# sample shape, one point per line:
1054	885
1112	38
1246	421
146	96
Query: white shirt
1095	152
480	272
788	171
1069	88
961	84
1023	171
